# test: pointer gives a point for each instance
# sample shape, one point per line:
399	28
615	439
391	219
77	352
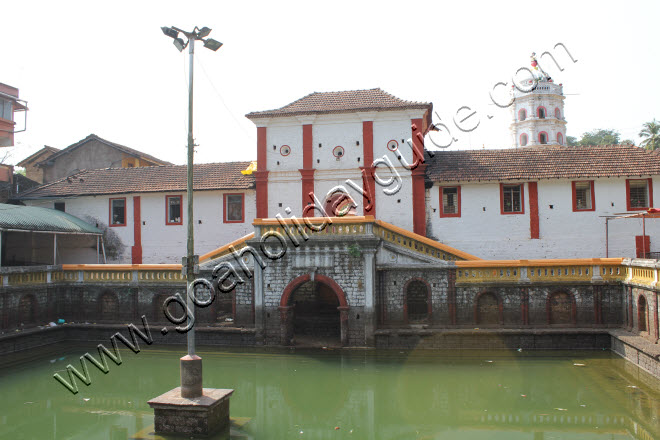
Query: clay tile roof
123	148
342	102
208	176
547	162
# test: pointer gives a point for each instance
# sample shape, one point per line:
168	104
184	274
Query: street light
191	365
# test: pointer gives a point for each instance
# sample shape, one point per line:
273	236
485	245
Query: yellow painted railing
226	249
363	225
27	278
540	271
642	275
418	243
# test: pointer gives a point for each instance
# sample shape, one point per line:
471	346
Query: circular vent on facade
285	150
338	152
392	145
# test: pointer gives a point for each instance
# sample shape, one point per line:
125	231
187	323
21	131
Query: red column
419	200
598	318
368	179
261	175
533	209
418	172
307	171
524	305
136	250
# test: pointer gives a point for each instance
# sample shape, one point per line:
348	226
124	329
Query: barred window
639	194
233	204
512	198
583	196
118	212
450	200
173	210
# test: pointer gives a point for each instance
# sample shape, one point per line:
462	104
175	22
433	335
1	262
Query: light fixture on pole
209	414
191	365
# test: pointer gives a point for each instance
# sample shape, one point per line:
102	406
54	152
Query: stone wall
345	270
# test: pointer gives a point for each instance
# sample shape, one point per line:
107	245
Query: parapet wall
552	294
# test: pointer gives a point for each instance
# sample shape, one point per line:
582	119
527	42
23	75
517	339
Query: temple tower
538	114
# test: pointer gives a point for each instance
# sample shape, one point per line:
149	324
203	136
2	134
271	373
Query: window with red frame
560	139
639	194
543	138
234	208
118	212
512	199
450	201
173	210
541	113
583	196
523	139
557	113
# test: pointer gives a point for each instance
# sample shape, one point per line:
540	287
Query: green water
287	394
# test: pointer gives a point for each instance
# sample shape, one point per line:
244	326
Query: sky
106	67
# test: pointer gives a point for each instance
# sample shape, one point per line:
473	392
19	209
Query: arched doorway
487	309
313	311
561	309
642	314
417	301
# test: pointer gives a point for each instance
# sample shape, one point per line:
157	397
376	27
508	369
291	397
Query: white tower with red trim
538	112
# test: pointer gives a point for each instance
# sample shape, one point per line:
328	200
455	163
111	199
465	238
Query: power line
248	135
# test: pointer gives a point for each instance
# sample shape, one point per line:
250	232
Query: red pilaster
418	168
307	171
598	313
261	175
368	142
417	128
368	179
308	154
136	250
524	305
419	200
533	209
307	177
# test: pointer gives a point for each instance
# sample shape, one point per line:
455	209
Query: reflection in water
284	394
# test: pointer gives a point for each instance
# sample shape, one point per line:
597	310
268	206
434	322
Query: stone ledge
638	342
494	331
172	399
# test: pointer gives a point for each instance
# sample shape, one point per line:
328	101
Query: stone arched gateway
287	309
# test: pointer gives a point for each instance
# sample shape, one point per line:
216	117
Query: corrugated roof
32	218
348	101
542	162
207	176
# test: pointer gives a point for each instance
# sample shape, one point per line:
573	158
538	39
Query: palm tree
651	135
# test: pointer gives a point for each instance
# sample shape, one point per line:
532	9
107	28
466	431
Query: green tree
600	136
651	135
571	141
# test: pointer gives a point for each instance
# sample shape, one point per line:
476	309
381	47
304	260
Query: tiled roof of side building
208	176
119	147
544	162
342	102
